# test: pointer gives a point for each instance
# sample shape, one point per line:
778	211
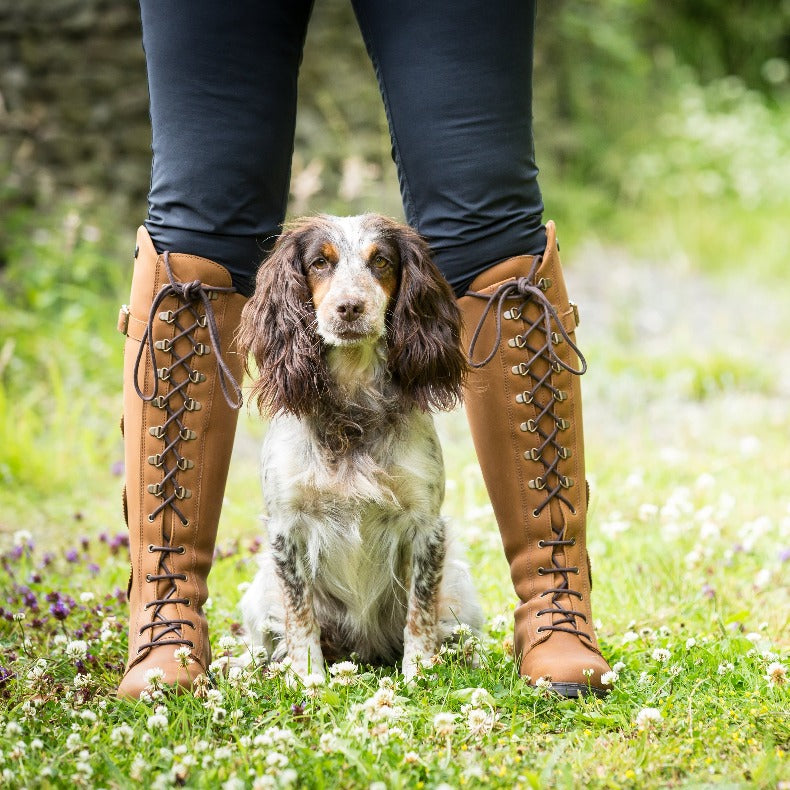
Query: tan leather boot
181	400
523	402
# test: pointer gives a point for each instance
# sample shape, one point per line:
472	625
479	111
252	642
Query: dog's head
346	281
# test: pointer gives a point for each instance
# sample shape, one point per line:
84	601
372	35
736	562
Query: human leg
222	82
456	79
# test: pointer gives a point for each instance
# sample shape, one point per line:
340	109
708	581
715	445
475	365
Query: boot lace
539	340
194	312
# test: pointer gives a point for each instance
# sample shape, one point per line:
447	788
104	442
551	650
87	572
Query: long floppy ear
425	357
277	328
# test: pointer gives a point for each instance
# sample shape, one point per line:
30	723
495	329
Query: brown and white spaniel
356	337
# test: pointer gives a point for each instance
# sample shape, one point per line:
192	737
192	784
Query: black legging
456	79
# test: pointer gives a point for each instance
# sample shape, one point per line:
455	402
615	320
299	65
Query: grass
686	425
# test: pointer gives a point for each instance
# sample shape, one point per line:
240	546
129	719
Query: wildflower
157	721
218	715
77	649
609	678
479	721
74	741
588	673
19	616
86	597
647	718
343	673
661	655
123	733
543	682
276	760
776	673
690	642
227	643
444	724
618	667
154	677
329	743
630	636
725	667
183	655
22	538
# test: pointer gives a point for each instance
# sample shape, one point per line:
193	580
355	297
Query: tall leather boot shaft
181	400
523	402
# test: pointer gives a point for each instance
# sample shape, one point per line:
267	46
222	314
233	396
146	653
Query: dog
356	338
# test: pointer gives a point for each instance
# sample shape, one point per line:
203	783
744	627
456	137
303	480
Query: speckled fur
360	559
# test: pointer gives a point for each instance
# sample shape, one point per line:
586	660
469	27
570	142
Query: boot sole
576	690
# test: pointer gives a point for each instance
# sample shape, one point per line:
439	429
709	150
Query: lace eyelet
541	544
540	629
541	571
150	548
148	577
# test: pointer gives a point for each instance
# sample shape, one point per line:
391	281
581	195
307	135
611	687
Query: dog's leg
421	636
302	632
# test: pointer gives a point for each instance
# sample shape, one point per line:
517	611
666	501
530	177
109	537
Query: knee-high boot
181	400
523	403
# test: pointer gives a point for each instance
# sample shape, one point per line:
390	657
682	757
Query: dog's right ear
278	330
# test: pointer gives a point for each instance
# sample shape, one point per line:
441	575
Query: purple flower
59	610
784	555
708	591
117	468
72	555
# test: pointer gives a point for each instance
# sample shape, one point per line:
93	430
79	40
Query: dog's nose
350	310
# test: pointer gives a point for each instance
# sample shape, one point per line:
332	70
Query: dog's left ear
425	357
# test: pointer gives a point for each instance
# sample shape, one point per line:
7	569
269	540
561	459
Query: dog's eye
319	263
380	262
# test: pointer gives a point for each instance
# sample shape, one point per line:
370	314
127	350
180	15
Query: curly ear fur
278	329
425	357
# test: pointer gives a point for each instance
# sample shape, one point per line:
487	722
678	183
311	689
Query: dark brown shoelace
542	395
186	320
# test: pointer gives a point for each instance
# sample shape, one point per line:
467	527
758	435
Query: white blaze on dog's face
352	272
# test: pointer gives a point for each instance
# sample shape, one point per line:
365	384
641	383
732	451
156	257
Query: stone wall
73	100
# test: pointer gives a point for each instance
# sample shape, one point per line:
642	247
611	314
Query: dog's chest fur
357	512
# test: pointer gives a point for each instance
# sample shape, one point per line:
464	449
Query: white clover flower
288	777
218	714
647	718
227	643
343	673
21	537
690	642
312	683
647	511
411	758
183	655
479	721
233	783
74	741
157	721
618	667
82	680
588	673
223	753
88	715
543	682
630	636
444	723
725	667
77	649
776	673
754	637
661	655
86	597
499	623
154	676
609	678
276	760
107	635
19	616
123	733
328	743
